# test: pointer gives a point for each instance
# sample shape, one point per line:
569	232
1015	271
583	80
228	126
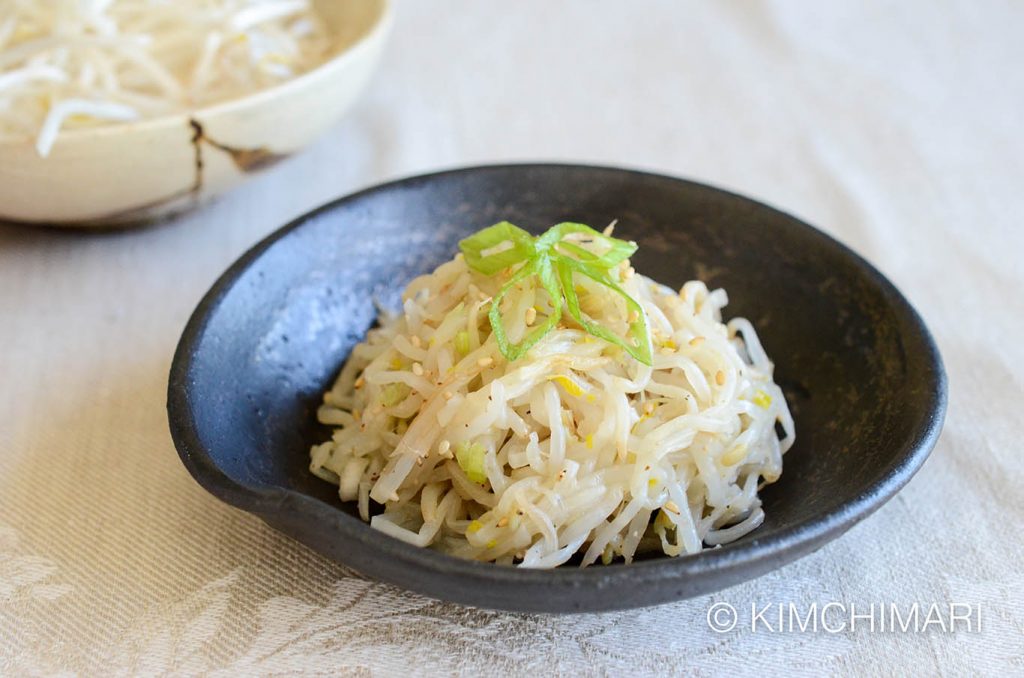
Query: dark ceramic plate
862	375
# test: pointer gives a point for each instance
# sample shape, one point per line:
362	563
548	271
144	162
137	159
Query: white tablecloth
896	127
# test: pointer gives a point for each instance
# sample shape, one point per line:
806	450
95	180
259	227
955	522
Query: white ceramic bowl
133	172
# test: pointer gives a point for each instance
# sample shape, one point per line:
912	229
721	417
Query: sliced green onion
394	393
513	351
553	261
470	457
476	246
637	342
462	343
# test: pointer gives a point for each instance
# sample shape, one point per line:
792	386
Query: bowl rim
757	555
376	32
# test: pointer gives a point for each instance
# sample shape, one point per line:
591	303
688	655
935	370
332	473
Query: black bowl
862	374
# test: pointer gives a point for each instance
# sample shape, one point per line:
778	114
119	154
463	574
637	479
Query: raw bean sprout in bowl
118	111
465	385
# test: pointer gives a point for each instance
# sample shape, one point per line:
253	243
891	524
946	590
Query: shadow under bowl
861	373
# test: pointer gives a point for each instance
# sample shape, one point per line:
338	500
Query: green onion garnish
553	262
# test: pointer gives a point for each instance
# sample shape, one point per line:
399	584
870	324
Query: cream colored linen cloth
894	126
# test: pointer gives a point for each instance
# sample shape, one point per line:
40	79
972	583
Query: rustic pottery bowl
133	172
861	373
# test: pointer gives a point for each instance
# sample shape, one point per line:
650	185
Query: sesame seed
416	341
417	369
359	382
720	378
633	316
484	362
672	506
531	316
443	447
447	395
696	341
503	522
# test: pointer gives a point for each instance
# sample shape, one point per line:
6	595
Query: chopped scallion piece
392	394
554	262
470	457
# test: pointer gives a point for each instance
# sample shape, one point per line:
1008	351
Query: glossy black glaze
862	374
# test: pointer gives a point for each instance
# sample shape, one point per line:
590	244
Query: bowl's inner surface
348	20
279	335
